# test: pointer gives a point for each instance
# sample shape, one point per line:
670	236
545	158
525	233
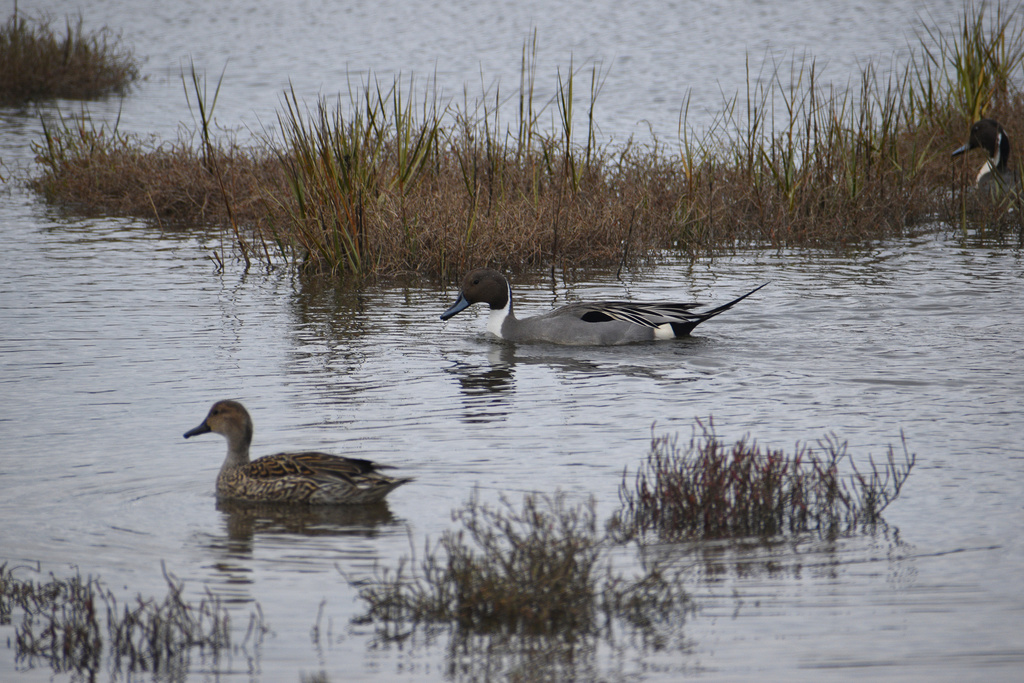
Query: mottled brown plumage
310	478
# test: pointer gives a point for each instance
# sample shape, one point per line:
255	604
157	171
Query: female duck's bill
995	175
309	477
584	323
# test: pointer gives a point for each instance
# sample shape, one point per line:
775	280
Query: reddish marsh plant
711	489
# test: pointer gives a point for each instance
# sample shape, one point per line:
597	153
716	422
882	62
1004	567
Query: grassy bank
398	181
39	60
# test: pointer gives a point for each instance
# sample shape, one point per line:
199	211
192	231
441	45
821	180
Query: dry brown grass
38	61
103	171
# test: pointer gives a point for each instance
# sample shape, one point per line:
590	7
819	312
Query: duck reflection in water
291	533
244	521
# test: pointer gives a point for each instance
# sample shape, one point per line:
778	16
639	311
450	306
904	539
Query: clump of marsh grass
393	183
100	169
151	635
711	489
798	162
541	570
346	174
60	624
68	624
39	61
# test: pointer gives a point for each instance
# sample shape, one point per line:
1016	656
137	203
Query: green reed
345	170
972	66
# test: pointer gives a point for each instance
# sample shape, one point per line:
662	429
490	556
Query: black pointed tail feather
683	329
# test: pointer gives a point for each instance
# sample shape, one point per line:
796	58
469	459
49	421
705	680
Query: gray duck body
598	323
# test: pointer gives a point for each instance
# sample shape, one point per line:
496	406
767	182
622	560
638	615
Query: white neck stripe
498	316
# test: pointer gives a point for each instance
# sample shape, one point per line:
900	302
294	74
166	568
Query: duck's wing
310	464
680	316
651	314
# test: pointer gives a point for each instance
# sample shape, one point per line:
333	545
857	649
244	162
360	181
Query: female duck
995	177
594	323
309	478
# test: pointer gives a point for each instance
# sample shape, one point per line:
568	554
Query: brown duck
309	478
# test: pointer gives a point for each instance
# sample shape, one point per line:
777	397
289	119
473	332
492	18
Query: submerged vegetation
539	571
525	594
713	490
389	182
38	61
509	575
68	624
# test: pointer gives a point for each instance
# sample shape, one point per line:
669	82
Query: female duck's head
231	420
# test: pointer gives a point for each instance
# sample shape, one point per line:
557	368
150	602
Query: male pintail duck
599	322
995	176
308	478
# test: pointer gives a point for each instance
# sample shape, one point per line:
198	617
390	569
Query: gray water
115	337
650	55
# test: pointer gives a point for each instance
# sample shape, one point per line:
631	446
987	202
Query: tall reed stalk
204	106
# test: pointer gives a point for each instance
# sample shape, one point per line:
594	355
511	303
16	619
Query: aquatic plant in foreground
711	489
542	570
63	621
